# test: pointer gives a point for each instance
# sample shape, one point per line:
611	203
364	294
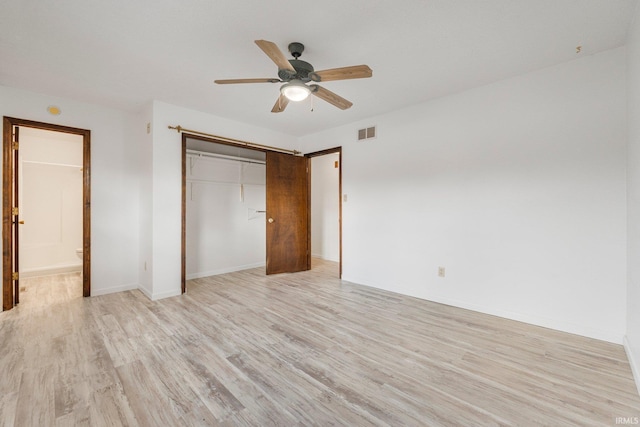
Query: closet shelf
206	181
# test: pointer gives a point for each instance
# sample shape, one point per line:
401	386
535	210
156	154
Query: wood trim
86	213
323	153
7	185
340	207
183	266
15	177
7	232
308	166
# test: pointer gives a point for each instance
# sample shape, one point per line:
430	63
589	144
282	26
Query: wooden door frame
323	153
7	187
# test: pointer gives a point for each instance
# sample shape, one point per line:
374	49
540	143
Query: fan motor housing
303	68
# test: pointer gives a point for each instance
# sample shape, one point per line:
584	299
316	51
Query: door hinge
15	276
15	145
15	211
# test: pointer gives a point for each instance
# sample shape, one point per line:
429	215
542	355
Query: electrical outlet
344	198
440	271
148	127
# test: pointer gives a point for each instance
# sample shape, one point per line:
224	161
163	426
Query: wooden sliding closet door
287	216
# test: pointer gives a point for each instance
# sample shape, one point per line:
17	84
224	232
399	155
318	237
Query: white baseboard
544	322
161	295
48	271
146	292
113	290
201	274
168	294
555	324
326	258
634	361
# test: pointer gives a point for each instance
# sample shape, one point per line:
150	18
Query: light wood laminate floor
293	349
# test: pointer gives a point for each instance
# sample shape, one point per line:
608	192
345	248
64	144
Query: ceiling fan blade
234	81
344	73
330	97
280	104
275	54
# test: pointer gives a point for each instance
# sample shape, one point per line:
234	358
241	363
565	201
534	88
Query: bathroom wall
50	202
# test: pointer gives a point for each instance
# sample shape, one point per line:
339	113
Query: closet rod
235	141
224	156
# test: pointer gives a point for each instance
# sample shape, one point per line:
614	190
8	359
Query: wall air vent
367	133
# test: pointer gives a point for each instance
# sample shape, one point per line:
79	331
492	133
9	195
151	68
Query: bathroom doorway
326	206
46	227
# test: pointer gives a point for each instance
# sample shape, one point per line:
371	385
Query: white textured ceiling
125	53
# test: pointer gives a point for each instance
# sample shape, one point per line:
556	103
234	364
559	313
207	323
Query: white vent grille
367	133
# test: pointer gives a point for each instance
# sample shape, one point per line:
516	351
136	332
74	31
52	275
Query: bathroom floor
43	291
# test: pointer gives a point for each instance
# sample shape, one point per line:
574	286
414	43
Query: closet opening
261	214
224	208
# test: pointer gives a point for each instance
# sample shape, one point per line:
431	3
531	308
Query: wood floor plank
246	349
249	395
110	407
80	417
8	406
36	390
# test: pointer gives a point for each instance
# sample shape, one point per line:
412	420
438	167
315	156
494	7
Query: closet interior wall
225	220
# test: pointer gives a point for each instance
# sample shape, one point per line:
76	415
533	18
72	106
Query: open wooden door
287	213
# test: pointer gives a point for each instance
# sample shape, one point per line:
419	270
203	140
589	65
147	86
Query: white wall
632	342
144	140
114	181
517	188
223	231
325	207
50	168
163	254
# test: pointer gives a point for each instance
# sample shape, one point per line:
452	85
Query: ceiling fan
295	74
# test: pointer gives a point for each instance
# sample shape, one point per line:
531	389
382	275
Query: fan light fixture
297	75
295	90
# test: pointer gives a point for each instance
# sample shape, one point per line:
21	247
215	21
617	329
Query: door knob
270	220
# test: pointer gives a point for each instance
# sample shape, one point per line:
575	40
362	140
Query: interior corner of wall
633	354
147	292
